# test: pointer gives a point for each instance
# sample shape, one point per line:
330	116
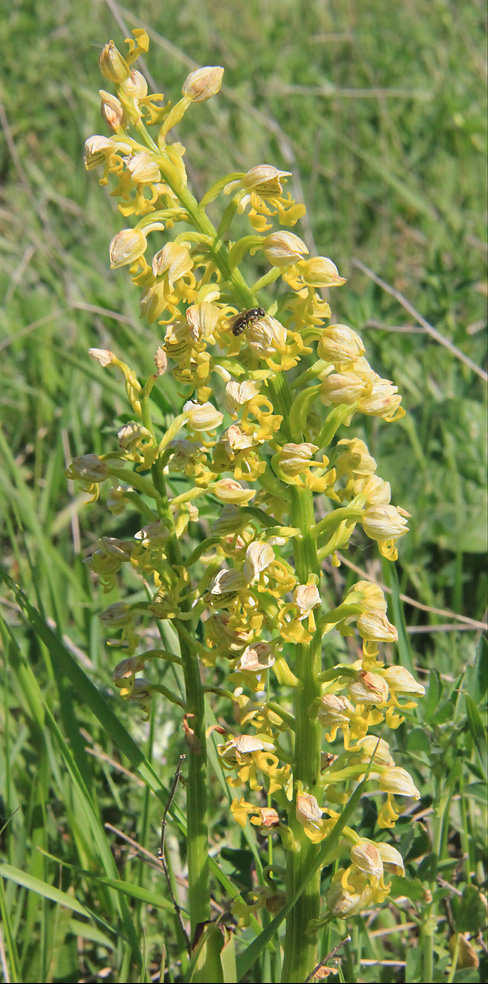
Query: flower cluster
252	455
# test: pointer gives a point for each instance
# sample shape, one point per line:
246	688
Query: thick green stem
300	947
197	793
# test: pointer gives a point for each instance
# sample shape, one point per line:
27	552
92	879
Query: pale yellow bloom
203	416
126	247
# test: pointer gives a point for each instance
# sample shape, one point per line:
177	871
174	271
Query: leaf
478	732
472	911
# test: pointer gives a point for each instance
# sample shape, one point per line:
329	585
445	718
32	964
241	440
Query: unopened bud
283	248
136	85
230	490
374	626
294	458
113	65
367	858
88	468
342	388
398	782
112	111
203	83
319	271
383	522
339	344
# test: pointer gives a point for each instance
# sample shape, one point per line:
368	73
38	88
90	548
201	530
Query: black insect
246	318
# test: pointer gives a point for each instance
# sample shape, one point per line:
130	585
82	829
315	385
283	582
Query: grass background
379	111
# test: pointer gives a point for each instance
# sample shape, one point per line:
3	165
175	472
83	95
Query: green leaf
472	911
478	732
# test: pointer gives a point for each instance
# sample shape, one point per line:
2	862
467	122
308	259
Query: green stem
300	948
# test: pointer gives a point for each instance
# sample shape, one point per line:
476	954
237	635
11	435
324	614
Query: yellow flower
126	247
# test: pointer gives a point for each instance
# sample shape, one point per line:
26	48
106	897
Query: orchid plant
258	465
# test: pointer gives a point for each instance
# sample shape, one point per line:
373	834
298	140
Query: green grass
379	111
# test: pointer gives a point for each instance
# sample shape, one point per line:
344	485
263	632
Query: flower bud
398	782
367	858
131	435
152	302
126	247
375	626
376	491
371	746
391	858
308	811
281	249
383	400
88	468
368	688
340	345
355	459
319	271
401	681
229	490
294	458
231	521
153	535
112	111
266	336
342	388
125	670
228	582
135	86
236	440
383	522
104	357
173	259
266	818
117	614
202	320
333	711
143	169
203	416
113	65
369	596
203	83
